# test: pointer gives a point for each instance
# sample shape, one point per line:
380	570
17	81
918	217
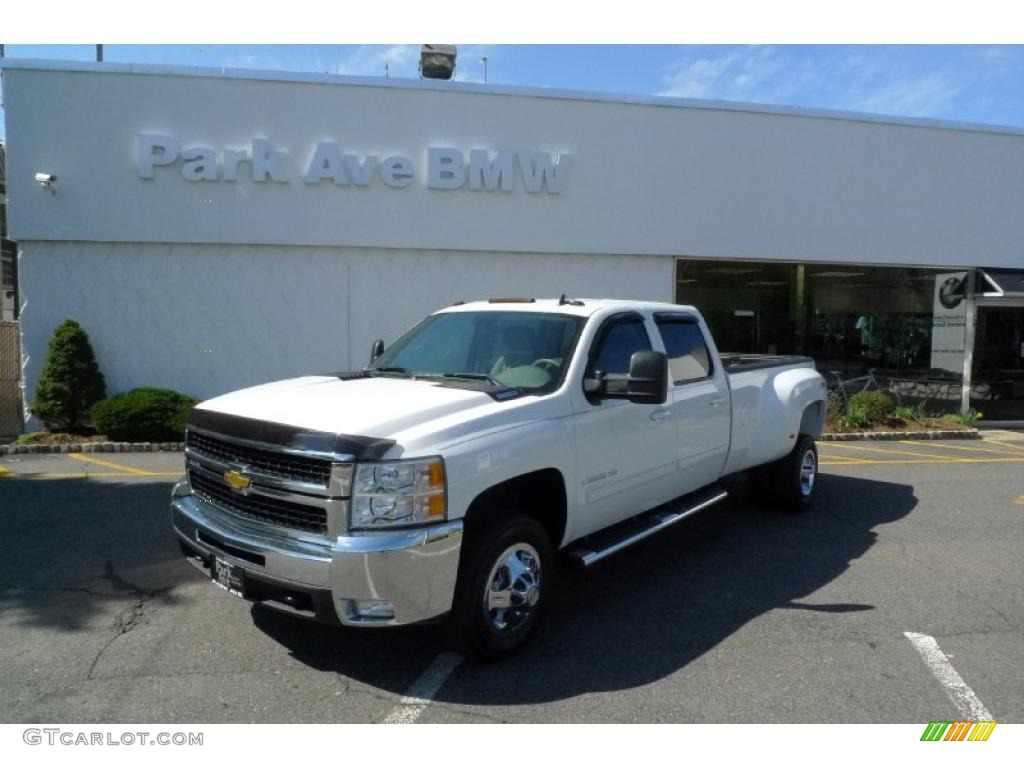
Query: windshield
527	350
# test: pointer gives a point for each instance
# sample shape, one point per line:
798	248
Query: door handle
660	414
715	402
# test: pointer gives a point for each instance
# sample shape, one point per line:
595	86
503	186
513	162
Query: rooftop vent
437	62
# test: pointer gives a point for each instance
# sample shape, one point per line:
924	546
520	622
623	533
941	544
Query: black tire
485	570
798	475
790	482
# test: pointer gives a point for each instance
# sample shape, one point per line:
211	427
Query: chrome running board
609	542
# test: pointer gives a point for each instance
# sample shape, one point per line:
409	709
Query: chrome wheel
513	587
808	470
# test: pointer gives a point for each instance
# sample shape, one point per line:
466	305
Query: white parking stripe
957	690
423	690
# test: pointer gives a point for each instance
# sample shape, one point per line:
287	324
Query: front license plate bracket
228	576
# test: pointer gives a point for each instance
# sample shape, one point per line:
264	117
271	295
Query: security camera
46	180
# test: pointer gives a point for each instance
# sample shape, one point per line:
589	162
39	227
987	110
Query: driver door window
616	346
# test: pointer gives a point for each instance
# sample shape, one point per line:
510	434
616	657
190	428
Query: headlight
391	493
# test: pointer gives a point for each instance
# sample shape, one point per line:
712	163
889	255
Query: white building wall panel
653	178
206	319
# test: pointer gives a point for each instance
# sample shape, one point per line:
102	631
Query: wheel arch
540	494
812	422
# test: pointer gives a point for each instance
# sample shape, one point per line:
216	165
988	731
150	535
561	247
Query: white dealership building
213	229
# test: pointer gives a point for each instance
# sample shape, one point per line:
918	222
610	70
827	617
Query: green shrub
143	414
855	417
908	413
29	437
876	406
967	419
70	382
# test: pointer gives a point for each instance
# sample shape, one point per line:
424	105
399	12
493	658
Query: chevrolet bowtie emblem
237	480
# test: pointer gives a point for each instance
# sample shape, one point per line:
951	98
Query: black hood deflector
295	438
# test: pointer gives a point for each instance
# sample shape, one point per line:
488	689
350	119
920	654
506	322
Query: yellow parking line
122	467
893	452
83	475
924	444
1019	500
1016	448
939	461
5	472
843	459
45	475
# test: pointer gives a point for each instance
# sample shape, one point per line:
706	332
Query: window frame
601	334
686	319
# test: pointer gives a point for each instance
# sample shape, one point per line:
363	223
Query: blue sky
981	84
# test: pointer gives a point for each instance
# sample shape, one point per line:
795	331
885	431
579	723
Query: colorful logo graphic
238	481
952	292
961	730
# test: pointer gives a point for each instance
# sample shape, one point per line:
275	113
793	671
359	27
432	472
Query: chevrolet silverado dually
441	480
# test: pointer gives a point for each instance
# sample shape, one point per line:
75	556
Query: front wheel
502	587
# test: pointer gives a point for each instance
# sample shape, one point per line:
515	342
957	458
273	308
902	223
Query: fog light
376	610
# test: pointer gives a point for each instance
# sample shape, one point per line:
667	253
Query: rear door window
688	357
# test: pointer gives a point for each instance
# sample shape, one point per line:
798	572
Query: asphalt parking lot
736	615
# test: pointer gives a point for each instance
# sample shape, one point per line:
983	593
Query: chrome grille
265	509
300	469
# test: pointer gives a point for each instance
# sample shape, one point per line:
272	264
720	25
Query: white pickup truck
442	479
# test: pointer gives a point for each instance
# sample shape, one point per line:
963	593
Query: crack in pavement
124	623
128	619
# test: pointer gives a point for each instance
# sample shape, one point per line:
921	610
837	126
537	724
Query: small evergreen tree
70	382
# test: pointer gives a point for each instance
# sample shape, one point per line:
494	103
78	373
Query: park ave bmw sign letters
445	168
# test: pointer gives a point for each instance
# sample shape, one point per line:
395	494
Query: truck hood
404	411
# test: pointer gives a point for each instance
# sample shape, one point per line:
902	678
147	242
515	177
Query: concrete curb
924	434
15	449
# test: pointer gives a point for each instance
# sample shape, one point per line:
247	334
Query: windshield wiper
474	376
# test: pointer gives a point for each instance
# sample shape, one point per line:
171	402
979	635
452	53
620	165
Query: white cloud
879	79
918	96
697	78
401	60
469	68
365	60
751	73
253	61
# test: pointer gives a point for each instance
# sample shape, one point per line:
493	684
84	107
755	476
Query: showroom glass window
851	318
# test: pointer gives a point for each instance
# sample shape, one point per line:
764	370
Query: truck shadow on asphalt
645	613
74	547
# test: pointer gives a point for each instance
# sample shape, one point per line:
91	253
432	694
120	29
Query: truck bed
761	411
735	362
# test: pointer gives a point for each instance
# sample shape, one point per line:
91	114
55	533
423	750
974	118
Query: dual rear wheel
790	481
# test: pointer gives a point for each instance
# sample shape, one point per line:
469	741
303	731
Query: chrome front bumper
349	580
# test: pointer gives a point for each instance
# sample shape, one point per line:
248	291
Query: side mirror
377	349
648	378
646	383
